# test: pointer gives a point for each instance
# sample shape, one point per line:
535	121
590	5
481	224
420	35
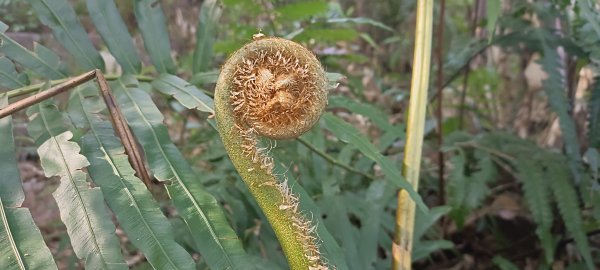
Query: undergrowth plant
151	163
277	89
544	177
102	174
559	186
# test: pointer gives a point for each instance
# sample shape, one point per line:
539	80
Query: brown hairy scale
279	91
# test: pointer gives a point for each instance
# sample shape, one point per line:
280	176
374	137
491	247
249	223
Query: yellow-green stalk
405	213
273	88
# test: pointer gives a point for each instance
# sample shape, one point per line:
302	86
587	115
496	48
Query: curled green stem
276	89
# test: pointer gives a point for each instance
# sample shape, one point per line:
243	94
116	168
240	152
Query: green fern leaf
554	86
336	209
594	111
457	186
136	210
361	20
587	9
42	60
9	77
468	181
375	114
110	25
537	196
81	208
21	243
302	10
10	182
586	36
423	222
206	222
329	246
503	263
210	12
348	133
424	248
187	94
151	22
61	18
477	189
568	203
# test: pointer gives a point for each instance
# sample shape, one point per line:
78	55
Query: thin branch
119	125
439	114
122	129
26	102
332	160
458	71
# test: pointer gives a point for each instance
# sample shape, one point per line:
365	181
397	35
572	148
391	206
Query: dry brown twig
120	126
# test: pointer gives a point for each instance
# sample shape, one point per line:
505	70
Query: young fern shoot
276	89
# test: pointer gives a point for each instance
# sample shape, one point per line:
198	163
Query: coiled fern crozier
276	89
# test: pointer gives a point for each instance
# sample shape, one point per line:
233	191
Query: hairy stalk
405	213
273	88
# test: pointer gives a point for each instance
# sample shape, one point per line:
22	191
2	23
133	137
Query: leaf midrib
190	94
188	194
32	54
110	160
85	55
12	241
150	19
70	176
12	78
107	19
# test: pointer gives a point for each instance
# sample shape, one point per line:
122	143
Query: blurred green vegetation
520	126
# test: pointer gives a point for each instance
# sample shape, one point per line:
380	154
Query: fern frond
151	21
350	134
21	243
81	208
203	216
187	94
594	114
9	77
468	181
545	175
110	25
568	203
61	18
554	86
210	12
42	60
457	186
136	210
538	198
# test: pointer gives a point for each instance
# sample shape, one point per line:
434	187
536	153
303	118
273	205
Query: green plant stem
332	160
35	87
258	181
241	130
405	214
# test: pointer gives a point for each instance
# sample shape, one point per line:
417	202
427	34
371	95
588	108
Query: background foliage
519	126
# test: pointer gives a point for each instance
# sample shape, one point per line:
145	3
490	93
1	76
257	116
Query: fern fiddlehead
276	89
